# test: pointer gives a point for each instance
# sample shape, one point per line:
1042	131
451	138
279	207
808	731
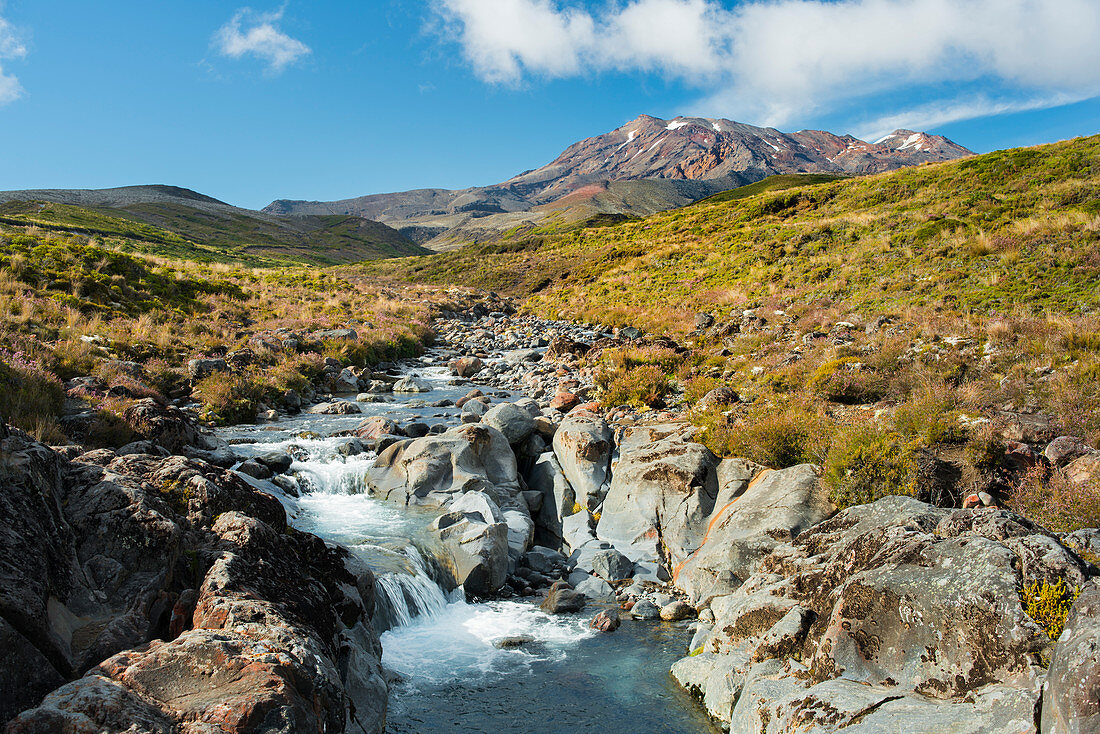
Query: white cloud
256	34
11	47
933	115
773	61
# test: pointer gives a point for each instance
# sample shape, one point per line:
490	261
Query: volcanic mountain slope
321	239
704	155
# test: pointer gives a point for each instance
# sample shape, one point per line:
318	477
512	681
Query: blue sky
326	100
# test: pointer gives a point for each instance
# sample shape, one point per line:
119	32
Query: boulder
564	401
255	469
437	468
660	497
375	426
466	366
612	565
201	368
475	408
558	498
346	382
596	589
1065	449
882	615
520	356
719	397
1071	696
514	422
412	384
606	621
166	426
676	611
774	508
562	601
337	407
583	445
645	609
478	550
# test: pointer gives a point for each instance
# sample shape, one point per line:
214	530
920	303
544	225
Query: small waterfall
400	597
337	508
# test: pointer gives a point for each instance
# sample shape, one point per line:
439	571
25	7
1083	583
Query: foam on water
457	642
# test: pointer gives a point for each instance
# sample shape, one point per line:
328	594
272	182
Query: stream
447	673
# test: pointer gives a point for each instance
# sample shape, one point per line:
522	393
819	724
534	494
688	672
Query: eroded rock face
662	491
583	445
432	470
757	517
891	616
177	588
470	471
166	426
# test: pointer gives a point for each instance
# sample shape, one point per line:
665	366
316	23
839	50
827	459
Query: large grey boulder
558	498
435	469
478	550
514	422
1071	697
583	445
774	508
660	497
893	616
412	384
611	565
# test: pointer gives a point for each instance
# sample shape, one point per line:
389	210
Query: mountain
213	224
702	156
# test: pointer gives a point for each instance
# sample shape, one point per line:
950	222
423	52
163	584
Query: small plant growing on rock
1049	604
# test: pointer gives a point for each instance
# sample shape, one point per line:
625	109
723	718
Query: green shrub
1049	604
31	398
837	382
230	398
776	437
985	450
866	464
645	386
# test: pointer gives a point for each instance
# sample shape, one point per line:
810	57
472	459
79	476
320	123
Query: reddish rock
376	426
606	621
466	366
564	402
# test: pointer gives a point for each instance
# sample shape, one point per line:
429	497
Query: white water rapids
448	674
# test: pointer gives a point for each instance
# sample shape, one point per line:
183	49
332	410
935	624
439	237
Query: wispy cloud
943	112
249	33
776	61
11	47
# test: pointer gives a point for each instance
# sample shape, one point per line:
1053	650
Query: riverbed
447	673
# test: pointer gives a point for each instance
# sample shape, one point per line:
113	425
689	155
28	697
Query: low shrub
645	386
230	397
845	381
866	463
1049	604
776	437
1051	499
31	398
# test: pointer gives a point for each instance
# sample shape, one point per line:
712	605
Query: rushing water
449	674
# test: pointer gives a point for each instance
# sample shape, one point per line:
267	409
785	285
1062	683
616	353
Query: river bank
895	614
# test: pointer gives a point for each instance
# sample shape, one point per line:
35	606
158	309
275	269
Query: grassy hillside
1000	232
881	326
222	234
74	305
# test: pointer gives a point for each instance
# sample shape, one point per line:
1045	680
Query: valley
700	427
